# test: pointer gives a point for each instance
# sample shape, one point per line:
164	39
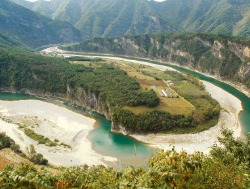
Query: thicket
7	142
226	167
153	121
39	138
79	58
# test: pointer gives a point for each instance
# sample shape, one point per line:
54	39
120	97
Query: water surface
128	150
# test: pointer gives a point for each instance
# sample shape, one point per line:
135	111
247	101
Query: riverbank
238	86
55	50
56	123
202	141
231	106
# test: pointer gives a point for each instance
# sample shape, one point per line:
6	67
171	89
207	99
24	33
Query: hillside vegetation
188	108
20	25
225	57
108	87
226	167
106	18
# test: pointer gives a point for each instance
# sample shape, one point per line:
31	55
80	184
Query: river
125	148
244	115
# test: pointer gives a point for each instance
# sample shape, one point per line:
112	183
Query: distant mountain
121	17
18	24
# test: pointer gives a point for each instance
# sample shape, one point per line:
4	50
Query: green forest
112	18
21	71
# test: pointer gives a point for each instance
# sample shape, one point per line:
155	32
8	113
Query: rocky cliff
90	101
80	97
225	57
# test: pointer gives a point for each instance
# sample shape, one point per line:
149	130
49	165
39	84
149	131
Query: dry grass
174	106
8	157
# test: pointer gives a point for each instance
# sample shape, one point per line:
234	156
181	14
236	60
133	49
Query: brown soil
8	157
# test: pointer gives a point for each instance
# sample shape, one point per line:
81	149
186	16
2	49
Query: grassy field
148	77
174	106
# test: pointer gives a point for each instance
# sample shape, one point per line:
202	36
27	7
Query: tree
38	159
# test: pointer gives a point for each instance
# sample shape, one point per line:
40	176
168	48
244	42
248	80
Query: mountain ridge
33	29
110	18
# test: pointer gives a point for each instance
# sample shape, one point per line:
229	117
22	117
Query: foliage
166	169
236	150
109	84
35	157
21	70
78	58
25	176
39	138
5	141
153	121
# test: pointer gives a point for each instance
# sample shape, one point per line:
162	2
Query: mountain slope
11	41
225	57
33	29
119	17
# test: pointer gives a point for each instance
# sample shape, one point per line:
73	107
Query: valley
124	94
202	141
112	18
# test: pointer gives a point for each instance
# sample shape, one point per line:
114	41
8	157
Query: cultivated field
153	79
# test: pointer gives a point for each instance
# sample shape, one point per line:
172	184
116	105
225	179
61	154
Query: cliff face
224	57
90	101
80	97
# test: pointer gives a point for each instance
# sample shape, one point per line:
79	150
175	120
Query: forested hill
20	70
107	18
106	89
20	25
12	41
225	57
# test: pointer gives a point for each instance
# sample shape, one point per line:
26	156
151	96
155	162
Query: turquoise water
244	115
13	96
126	149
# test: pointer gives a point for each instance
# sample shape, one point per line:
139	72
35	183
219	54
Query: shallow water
128	150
